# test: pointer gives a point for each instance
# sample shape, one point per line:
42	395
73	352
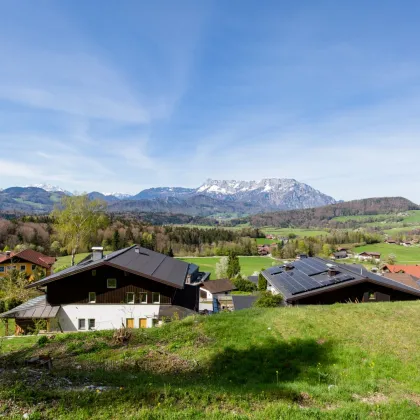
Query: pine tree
234	267
116	240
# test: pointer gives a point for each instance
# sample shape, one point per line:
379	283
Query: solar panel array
307	274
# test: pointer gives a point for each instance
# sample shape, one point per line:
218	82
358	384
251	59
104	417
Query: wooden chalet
133	287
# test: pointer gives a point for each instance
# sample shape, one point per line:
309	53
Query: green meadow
343	361
248	264
404	255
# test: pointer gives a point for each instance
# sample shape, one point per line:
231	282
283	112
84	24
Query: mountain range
214	197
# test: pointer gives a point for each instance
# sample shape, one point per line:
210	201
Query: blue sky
126	95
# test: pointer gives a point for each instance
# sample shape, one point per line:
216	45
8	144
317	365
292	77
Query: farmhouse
339	255
366	256
215	294
413	270
133	287
317	281
263	249
27	261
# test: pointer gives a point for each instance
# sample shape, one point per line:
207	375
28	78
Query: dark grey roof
311	274
254	279
340	254
170	310
136	260
34	308
243	302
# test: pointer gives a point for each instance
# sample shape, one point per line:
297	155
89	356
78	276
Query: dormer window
111	283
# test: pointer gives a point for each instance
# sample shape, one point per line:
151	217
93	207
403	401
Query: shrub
42	341
262	282
268	300
244	285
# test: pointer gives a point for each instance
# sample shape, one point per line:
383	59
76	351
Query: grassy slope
298	232
248	264
342	361
405	255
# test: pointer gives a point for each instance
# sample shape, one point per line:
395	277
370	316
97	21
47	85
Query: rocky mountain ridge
214	197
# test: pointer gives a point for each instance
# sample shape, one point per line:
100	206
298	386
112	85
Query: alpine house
133	287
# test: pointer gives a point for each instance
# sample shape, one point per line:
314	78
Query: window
82	324
91	324
130	297
22	267
143	297
11	267
111	283
156	297
93	273
1	269
92	297
33	267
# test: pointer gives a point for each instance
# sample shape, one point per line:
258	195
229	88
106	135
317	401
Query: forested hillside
321	216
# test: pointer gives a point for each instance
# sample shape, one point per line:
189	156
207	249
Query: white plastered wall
106	316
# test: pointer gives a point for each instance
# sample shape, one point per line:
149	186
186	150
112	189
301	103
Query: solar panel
343	277
307	270
312	267
289	284
305	281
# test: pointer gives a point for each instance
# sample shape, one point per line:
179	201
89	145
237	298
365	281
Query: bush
262	282
268	300
42	341
244	285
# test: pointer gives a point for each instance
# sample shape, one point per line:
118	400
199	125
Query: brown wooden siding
355	293
75	289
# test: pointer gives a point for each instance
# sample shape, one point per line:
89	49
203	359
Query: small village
139	288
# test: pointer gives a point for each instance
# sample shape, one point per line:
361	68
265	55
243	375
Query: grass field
414	217
248	264
349	361
262	241
298	232
404	255
400	230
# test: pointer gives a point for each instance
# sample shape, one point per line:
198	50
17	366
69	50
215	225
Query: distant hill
320	216
28	200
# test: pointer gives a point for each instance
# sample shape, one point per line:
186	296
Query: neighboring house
317	281
133	287
212	290
263	249
27	261
243	301
413	270
369	256
339	255
404	278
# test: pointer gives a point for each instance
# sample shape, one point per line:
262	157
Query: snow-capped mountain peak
281	193
49	188
121	196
